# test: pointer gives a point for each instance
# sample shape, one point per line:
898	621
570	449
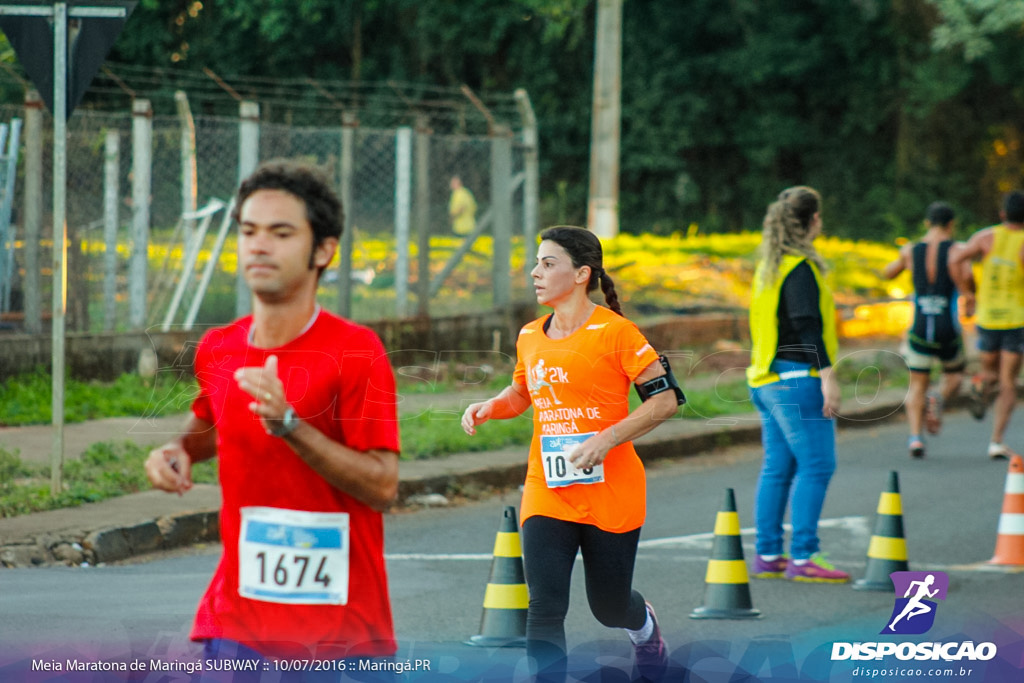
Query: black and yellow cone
727	589
887	552
506	599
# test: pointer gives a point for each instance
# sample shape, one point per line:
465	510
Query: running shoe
933	412
977	403
999	451
770	569
916	447
652	655
816	570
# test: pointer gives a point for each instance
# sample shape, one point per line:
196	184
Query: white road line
856	525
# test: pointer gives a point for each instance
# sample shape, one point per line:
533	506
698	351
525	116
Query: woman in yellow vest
793	330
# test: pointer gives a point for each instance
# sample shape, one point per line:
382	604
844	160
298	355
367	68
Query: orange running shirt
579	385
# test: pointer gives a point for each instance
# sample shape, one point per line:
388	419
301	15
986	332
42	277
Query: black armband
659	384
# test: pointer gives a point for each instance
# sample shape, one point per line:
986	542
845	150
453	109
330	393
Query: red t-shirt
338	379
579	385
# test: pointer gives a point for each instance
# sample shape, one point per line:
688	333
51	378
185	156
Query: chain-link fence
389	185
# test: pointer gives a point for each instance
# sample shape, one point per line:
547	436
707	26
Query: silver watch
288	423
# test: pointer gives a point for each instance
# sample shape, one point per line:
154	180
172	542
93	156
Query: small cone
1010	541
506	599
887	552
726	590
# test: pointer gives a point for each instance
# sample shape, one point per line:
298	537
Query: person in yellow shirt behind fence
461	208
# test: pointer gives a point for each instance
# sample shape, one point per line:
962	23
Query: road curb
116	543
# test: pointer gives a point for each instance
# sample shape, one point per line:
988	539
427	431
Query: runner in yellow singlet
1000	313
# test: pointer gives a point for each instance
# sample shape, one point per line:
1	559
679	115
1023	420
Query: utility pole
603	205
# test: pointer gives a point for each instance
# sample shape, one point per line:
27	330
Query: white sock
770	558
800	563
644	633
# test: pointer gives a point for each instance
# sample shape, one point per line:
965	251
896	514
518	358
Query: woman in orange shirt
585	486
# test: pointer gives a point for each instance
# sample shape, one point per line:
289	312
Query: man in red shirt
299	407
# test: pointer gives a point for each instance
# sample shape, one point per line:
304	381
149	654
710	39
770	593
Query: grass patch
26	398
106	470
437	433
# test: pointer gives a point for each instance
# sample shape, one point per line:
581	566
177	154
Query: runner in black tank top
934	337
936	328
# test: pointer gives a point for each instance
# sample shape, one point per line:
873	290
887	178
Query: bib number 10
557	466
558	469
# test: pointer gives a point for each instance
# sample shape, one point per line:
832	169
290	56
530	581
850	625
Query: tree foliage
884	105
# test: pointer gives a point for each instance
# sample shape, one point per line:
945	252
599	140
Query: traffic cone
726	590
1010	541
506	599
887	552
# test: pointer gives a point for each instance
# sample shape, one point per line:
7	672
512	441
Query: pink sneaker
770	569
652	656
816	570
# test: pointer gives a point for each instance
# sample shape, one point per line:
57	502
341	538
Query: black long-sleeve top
800	325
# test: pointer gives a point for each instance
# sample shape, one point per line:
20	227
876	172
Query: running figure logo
914	613
537	378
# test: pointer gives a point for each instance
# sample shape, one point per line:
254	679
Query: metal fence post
111	192
501	209
33	211
248	160
531	187
142	189
403	191
348	136
423	214
189	179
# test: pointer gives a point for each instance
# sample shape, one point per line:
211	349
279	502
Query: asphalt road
439	563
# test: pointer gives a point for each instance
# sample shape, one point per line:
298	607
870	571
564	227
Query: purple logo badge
916	592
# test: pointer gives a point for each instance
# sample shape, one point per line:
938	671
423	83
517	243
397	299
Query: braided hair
787	229
584	248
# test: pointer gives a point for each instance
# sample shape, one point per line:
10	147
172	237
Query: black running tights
549	551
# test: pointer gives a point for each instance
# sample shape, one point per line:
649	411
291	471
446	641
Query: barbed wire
301	100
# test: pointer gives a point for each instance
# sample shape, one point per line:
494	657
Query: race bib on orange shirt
558	470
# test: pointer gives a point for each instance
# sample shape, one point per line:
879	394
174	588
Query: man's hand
264	385
169	468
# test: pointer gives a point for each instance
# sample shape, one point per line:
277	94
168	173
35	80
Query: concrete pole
403	209
348	138
501	209
111	219
33	210
603	206
248	160
60	242
142	190
423	214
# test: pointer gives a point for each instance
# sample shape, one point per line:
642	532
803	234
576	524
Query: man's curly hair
307	182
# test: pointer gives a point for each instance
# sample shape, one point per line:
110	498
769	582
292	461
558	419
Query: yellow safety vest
1001	288
764	320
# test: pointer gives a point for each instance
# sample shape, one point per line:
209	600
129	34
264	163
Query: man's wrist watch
287	424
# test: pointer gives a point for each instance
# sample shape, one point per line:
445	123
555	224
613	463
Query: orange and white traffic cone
1010	541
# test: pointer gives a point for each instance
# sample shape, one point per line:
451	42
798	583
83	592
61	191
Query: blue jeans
799	454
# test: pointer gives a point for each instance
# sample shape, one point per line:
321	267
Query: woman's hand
830	393
593	451
476	414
